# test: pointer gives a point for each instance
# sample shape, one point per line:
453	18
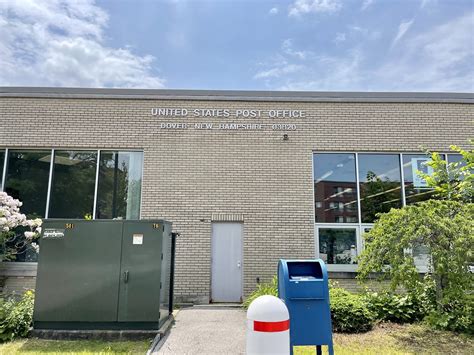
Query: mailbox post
303	286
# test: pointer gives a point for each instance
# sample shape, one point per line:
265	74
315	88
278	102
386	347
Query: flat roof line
236	95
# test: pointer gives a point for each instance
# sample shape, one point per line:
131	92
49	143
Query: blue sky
352	45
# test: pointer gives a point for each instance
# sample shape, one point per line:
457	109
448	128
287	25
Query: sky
302	45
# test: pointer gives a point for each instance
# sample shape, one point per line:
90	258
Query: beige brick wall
191	174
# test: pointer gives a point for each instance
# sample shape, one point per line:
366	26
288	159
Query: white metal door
226	283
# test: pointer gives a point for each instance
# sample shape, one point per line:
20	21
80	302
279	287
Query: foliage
10	220
446	228
452	181
349	312
456	315
16	316
270	288
396	308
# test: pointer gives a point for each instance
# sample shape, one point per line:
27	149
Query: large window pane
120	183
338	245
335	190
380	184
27	179
2	157
416	188
72	190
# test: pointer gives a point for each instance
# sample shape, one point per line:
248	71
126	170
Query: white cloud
425	3
331	73
366	4
340	37
402	29
278	71
438	59
287	48
302	7
364	32
60	43
273	11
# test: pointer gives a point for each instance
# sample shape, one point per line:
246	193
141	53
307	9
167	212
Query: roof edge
235	95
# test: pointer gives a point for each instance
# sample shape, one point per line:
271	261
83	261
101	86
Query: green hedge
396	308
349	312
16	316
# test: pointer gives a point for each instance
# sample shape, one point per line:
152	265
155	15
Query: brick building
245	177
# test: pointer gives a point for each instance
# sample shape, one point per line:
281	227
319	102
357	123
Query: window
120	184
454	158
27	179
2	163
380	184
416	188
335	187
338	245
73	184
372	183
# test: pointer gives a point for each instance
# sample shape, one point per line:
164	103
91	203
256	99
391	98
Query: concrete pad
206	331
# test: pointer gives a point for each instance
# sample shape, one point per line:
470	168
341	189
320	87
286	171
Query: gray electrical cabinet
104	274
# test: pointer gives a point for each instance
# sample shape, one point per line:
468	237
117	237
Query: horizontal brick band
271	326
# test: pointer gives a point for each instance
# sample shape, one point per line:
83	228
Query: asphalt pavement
208	330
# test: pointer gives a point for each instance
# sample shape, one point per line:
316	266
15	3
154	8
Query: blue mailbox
303	286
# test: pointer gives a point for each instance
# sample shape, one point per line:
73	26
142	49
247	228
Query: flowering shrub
11	218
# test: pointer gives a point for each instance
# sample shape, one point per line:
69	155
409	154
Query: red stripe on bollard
271	326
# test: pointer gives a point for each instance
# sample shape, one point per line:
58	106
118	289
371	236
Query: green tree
452	181
446	229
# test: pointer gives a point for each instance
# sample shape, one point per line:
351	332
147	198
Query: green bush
349	312
390	307
457	316
270	288
16	316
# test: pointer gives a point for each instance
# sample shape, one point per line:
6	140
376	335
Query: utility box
104	274
303	286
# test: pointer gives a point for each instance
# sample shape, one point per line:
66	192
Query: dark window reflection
335	190
380	184
72	190
338	246
120	182
416	188
27	179
2	157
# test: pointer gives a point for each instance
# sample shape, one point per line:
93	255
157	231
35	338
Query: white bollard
268	327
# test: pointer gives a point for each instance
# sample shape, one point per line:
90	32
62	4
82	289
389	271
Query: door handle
238	264
125	276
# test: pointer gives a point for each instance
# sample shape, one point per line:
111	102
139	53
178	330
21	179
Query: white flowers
10	217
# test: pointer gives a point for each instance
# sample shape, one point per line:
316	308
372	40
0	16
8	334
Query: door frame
241	261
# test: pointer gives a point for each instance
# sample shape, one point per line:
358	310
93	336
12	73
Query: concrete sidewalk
206	331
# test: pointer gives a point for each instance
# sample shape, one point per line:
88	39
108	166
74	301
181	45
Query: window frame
355	227
4	171
360	226
51	170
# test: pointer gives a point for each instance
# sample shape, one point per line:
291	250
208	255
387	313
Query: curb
162	334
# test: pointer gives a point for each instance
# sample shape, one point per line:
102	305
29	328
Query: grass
386	338
35	346
391	339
